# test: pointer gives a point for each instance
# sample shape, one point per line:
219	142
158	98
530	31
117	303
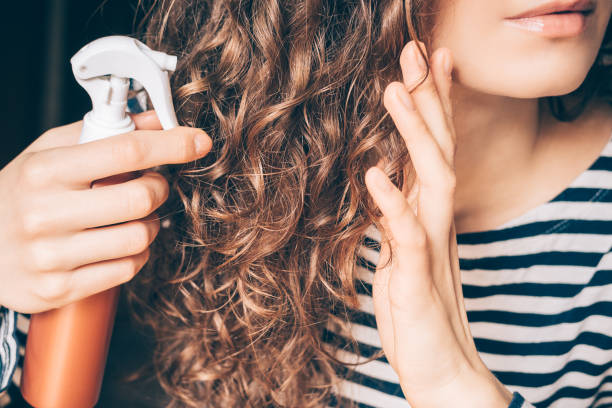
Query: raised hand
418	299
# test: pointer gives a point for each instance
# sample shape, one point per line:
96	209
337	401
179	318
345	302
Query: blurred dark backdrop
38	38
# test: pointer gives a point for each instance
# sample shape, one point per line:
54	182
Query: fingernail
405	99
202	143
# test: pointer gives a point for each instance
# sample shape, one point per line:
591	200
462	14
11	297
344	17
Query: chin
525	82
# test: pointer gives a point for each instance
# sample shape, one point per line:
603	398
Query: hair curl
260	257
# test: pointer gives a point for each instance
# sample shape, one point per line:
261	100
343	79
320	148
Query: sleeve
8	346
519	402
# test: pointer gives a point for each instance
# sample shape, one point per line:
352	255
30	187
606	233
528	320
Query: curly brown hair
260	257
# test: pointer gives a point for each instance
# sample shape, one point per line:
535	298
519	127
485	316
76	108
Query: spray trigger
103	68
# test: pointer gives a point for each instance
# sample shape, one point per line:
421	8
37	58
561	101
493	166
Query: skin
461	169
61	240
495	92
499	74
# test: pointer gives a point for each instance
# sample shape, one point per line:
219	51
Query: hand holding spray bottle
67	347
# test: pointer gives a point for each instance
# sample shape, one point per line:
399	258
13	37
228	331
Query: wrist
473	388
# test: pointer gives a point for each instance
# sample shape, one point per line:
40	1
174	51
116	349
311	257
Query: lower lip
552	25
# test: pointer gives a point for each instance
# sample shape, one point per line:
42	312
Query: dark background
38	38
39	92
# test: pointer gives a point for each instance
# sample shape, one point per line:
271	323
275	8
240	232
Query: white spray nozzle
103	67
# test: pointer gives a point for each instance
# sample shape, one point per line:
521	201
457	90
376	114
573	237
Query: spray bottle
67	347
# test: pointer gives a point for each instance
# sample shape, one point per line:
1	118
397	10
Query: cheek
493	58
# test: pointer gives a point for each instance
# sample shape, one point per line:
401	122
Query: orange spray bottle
67	347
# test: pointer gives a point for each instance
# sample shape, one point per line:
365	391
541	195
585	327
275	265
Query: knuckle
31	223
420	127
427	85
129	150
141	200
449	180
53	289
417	239
139	239
413	237
34	172
42	257
133	265
51	132
423	86
156	226
161	183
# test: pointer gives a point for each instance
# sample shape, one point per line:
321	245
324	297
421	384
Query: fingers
100	276
61	288
436	177
426	155
68	135
380	296
65	253
406	232
147	120
79	165
411	278
96	207
434	167
442	66
431	97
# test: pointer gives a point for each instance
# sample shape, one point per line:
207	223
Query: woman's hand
418	298
62	240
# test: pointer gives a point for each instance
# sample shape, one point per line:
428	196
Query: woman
271	299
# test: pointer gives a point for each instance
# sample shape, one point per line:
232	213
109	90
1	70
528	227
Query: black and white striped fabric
538	294
8	346
13	334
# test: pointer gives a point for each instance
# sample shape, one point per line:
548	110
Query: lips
555	19
559	7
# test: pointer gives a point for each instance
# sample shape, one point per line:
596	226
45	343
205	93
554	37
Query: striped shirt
538	294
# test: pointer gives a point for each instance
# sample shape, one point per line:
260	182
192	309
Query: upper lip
558	6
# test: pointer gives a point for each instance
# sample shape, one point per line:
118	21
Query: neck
496	139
